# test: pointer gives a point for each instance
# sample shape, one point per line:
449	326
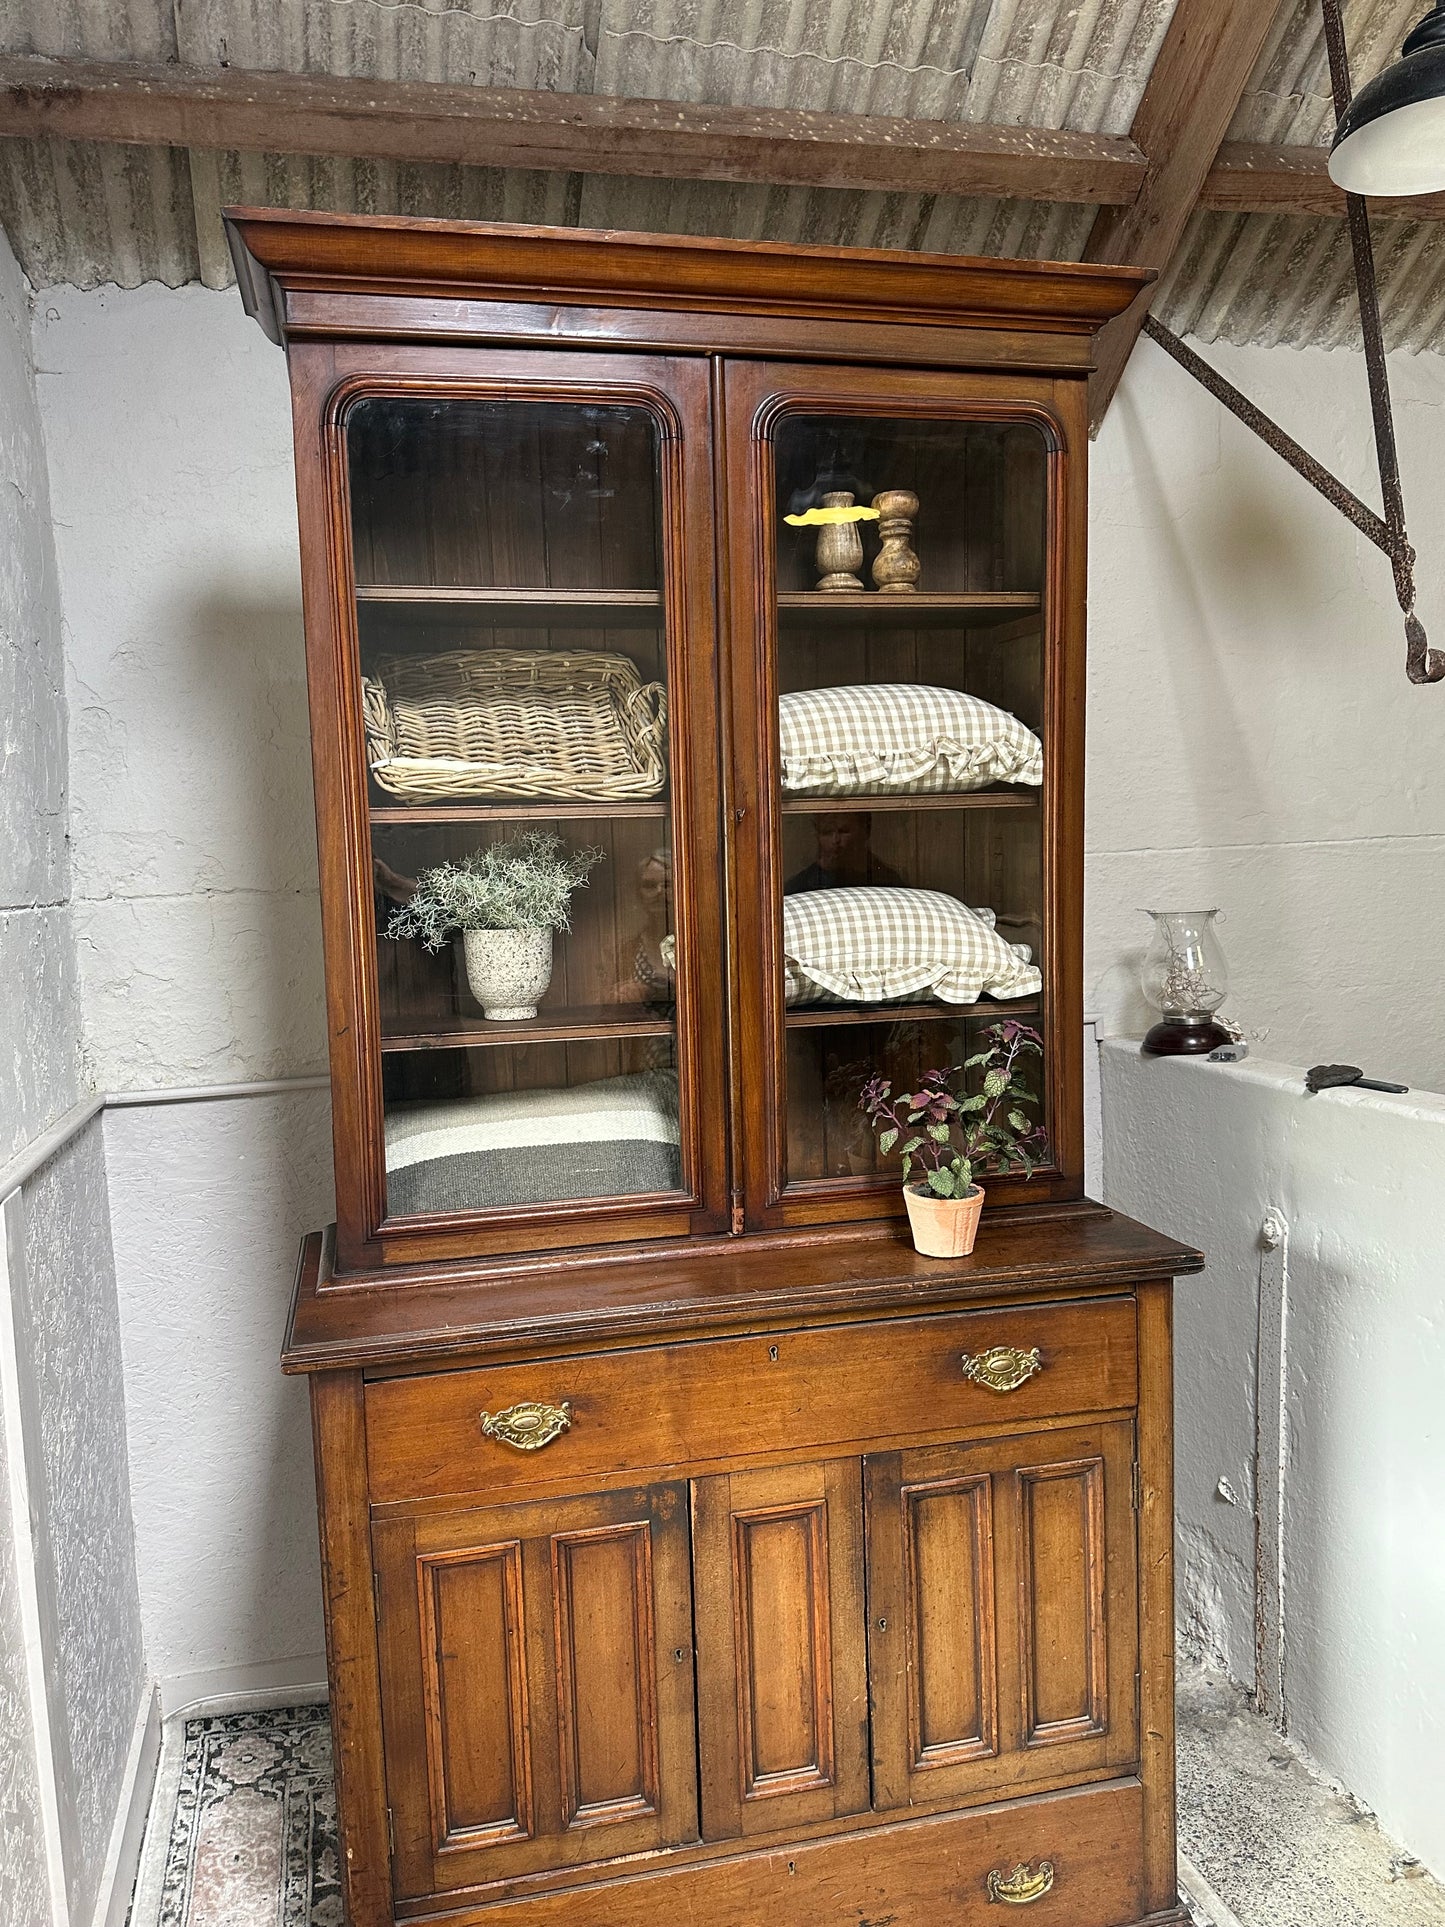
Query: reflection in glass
845	855
647	954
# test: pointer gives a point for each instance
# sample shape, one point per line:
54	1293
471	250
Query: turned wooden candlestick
896	568
840	549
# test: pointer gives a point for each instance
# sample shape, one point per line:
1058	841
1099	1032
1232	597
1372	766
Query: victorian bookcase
689	1543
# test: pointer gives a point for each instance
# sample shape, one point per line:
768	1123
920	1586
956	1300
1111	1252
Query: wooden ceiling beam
427	121
226	108
1208	54
1251	179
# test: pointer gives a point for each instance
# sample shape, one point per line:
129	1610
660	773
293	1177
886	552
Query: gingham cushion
871	945
870	738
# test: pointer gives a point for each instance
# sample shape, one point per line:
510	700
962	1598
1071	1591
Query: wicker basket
510	722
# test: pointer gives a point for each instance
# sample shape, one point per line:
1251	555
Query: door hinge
376	1592
390	1836
1138	1486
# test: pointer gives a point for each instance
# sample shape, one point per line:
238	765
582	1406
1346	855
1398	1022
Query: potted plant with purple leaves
947	1133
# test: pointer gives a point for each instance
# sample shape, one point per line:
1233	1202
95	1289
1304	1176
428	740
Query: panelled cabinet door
782	1688
537	1685
1002	1632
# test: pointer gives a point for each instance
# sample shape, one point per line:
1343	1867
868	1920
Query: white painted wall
40	1072
68	1328
1204	1151
24	1893
210	1202
71	1667
1253	742
33	999
167	421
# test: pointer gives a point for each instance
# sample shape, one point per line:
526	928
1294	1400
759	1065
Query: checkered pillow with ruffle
873	738
875	945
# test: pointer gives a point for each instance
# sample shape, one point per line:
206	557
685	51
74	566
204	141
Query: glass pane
912	746
513	656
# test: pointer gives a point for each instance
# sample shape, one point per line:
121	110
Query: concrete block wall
72	1673
1309	1361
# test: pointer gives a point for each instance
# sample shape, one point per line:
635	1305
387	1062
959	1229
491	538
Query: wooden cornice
230	109
278	251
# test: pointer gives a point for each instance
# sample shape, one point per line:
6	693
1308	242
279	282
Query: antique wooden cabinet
692	1547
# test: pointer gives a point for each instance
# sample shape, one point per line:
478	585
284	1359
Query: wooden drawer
912	1875
838	1387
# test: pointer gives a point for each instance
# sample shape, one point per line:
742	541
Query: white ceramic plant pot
943	1227
508	970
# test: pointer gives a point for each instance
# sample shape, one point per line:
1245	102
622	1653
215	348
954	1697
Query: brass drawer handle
1002	1368
1018	1888
528	1426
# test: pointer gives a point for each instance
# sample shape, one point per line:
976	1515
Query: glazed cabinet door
513	672
1003	1628
537	1685
782	1684
906	605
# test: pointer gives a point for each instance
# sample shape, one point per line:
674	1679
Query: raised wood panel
475	1682
1062	1601
537	1686
784	1649
782	1688
1002	1632
688	1404
952	1650
606	1638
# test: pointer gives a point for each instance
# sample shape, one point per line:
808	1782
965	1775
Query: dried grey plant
523	883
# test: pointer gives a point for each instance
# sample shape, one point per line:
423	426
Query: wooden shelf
564	810
1018	799
821	1016
582	608
871	609
579	1024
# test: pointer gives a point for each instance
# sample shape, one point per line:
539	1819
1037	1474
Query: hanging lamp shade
1392	137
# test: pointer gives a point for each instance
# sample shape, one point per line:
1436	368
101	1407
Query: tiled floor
243	1828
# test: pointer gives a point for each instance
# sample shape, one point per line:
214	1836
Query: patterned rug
243	1825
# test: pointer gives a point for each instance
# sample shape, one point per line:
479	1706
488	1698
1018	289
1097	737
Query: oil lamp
1185	977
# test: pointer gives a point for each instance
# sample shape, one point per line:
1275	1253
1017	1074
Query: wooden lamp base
1184	1037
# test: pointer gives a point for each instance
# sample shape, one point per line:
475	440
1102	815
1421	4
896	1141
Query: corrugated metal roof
90	213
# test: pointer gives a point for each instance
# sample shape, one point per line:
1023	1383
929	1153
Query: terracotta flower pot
943	1227
508	970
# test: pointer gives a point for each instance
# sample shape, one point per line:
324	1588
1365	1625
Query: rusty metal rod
1422	663
1269	431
